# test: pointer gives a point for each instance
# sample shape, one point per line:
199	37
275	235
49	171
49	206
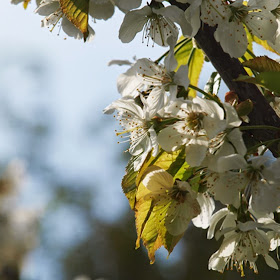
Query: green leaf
194	57
129	183
77	12
150	216
268	80
269	75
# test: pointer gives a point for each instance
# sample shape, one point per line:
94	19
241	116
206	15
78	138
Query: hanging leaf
77	12
154	219
194	57
146	225
128	184
269	73
263	64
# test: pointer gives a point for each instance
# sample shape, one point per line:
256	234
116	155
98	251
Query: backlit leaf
77	12
183	54
247	55
151	224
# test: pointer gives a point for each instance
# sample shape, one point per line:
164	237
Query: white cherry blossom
157	24
207	206
199	121
231	32
54	16
101	9
276	12
258	179
242	245
228	142
152	81
209	11
136	122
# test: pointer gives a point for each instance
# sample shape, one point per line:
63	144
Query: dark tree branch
230	68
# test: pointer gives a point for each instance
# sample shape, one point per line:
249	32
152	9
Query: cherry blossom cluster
157	21
156	119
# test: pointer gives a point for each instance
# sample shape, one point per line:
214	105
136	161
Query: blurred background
62	211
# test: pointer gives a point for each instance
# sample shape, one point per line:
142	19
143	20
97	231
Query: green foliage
150	216
268	76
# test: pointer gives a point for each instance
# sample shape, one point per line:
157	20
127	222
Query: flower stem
209	96
266	143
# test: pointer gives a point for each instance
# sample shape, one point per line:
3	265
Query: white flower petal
207	206
128	4
236	139
270	261
262	24
196	151
133	23
214	221
155	100
181	77
232	37
103	10
231	162
169	139
179	215
158	181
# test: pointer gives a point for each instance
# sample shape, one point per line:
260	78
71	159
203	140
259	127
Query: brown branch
230	68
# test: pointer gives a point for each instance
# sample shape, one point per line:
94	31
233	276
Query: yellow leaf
150	224
247	55
195	68
77	12
183	55
145	224
25	3
150	215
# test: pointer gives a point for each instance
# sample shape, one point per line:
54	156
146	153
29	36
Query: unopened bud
244	108
269	96
231	97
